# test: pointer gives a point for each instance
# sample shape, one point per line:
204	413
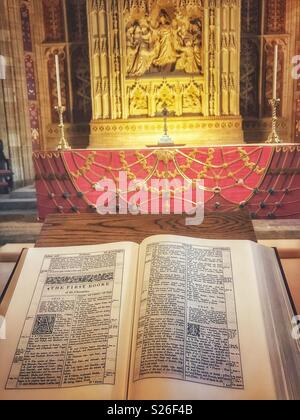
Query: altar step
19	201
24	193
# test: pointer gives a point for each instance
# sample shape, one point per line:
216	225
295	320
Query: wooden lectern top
92	229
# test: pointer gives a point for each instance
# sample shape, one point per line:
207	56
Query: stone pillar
14	128
223	75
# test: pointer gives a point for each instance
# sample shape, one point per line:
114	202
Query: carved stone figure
166	37
166	45
141	48
190	59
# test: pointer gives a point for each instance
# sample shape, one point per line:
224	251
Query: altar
262	179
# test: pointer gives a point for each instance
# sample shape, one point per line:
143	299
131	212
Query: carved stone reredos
151	54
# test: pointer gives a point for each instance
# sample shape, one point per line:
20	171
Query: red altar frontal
263	179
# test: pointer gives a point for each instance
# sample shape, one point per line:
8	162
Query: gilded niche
164	39
179	96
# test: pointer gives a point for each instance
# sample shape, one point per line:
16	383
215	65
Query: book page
199	330
69	324
279	316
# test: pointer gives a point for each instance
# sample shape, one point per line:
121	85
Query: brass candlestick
274	137
63	143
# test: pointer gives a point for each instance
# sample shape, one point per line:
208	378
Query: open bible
172	318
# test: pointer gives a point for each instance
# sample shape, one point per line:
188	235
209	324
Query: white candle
58	81
275	72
